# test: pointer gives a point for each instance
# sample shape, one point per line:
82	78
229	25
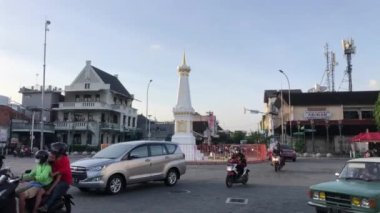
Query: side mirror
337	174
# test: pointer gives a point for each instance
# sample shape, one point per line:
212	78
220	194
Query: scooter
277	162
62	205
233	174
8	204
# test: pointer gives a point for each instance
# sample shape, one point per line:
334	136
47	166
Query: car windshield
368	171
285	147
114	151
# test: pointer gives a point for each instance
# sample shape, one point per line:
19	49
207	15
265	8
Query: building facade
97	110
325	121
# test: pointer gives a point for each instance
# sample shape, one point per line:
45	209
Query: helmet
58	148
42	155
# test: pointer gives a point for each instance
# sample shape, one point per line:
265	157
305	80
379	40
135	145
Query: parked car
121	164
357	188
287	152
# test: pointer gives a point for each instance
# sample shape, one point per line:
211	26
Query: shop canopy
367	137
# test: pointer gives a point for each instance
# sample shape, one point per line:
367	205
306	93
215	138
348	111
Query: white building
97	110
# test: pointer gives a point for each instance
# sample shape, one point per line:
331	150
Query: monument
183	116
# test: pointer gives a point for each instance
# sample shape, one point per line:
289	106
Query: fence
222	152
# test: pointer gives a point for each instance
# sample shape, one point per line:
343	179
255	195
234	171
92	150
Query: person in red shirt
61	173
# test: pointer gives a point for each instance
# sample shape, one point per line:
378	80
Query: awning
367	137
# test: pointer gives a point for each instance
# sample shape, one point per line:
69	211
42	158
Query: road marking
242	201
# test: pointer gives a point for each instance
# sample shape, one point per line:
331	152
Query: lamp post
47	22
146	112
290	117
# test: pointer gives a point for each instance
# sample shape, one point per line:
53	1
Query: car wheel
171	177
115	184
294	159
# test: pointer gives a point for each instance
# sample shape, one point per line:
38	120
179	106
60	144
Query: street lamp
290	117
47	22
146	112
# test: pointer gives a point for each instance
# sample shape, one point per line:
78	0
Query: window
97	97
350	115
87	85
77	98
157	150
65	116
133	122
115	119
89	138
90	117
124	117
103	119
77	139
114	100
129	121
139	152
87	98
367	115
171	148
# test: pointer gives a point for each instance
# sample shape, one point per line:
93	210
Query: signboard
317	114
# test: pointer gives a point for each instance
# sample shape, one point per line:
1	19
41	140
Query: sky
234	48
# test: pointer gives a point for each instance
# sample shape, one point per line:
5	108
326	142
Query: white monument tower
183	115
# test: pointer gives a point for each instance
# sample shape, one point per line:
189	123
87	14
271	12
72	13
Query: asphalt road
202	189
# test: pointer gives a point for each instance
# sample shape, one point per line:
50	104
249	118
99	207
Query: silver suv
120	164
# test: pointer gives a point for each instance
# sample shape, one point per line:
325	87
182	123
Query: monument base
188	147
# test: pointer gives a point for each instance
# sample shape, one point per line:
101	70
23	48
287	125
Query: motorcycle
62	205
8	185
233	174
277	162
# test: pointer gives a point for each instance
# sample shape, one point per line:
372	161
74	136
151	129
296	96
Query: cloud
155	46
374	84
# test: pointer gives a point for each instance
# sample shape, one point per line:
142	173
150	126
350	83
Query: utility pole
47	22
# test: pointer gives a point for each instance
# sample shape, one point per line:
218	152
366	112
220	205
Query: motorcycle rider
241	160
277	150
40	178
61	172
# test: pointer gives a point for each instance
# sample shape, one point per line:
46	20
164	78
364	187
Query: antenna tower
349	49
327	72
332	69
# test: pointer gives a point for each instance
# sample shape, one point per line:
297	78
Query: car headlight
316	195
322	196
355	201
319	196
96	168
368	203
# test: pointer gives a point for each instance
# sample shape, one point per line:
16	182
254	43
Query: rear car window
171	148
157	150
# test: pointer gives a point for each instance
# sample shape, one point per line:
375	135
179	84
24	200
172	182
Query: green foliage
237	136
256	138
299	145
377	112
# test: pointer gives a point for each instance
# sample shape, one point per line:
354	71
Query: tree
237	136
377	112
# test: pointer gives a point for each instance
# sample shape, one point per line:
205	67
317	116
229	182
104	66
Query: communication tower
349	49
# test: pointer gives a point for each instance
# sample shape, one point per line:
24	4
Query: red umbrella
366	137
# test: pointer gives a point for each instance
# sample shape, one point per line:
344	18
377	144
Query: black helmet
58	148
42	155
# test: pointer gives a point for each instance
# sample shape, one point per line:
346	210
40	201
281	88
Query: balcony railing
96	105
26	127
